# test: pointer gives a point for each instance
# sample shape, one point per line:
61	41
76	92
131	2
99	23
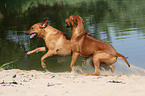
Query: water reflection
113	21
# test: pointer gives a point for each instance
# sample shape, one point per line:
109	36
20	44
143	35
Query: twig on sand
115	82
7	64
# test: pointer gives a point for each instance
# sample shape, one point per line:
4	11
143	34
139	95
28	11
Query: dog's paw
43	65
29	52
86	73
95	74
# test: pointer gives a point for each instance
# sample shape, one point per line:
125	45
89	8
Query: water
120	23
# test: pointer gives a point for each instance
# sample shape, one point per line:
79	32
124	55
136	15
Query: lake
120	23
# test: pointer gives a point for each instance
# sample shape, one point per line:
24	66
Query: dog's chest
81	48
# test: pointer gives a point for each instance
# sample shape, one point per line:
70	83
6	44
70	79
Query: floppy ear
81	19
44	23
74	19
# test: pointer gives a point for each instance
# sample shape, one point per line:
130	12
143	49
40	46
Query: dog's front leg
74	59
48	54
37	50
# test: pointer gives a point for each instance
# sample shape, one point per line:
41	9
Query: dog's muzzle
32	34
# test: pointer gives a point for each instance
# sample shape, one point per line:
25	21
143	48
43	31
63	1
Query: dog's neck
50	31
77	31
45	32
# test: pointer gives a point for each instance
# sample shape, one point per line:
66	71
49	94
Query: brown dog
55	41
103	54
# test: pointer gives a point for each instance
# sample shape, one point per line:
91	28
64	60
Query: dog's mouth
67	26
33	35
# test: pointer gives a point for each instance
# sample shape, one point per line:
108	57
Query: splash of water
138	70
121	68
131	70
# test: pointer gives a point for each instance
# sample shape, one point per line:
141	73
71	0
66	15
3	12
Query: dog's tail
124	58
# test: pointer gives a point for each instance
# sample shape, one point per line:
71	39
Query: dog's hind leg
97	67
112	67
37	50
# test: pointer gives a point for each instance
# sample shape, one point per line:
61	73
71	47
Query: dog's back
56	40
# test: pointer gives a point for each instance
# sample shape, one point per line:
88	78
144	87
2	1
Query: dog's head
73	21
37	29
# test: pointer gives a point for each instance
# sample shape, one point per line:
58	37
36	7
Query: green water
118	22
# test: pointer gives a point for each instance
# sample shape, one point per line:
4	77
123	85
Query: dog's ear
81	19
44	23
74	19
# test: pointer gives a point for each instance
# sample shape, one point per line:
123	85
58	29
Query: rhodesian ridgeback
55	40
103	54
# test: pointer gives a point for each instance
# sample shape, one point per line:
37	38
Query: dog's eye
31	27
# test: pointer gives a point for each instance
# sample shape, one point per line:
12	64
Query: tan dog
55	41
103	54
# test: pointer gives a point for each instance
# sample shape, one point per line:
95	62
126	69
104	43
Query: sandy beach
17	82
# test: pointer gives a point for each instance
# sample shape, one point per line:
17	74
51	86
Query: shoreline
17	82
